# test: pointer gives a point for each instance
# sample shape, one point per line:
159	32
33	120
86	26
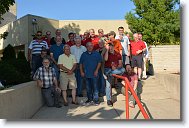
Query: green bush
9	53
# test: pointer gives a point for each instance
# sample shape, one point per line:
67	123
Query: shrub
9	53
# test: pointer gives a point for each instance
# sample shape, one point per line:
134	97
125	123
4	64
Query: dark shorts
137	61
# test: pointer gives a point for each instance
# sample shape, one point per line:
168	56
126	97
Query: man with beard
133	79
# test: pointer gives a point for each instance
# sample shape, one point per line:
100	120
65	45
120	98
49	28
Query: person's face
135	37
43	53
121	31
71	37
58	32
58	39
111	48
128	69
140	36
67	50
90	47
46	63
92	33
77	42
48	34
86	35
101	44
100	32
111	37
39	35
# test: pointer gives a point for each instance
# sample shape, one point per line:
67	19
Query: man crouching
46	80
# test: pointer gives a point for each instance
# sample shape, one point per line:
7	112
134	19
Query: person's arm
52	58
129	50
97	68
81	70
72	70
63	68
120	65
106	53
29	55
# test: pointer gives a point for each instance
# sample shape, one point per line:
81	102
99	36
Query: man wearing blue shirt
90	63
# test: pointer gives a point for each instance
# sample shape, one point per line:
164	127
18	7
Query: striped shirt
46	76
36	47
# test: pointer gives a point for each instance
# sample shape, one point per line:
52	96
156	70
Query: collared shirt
70	43
135	46
46	76
145	53
67	61
56	50
113	58
124	42
77	51
90	62
36	47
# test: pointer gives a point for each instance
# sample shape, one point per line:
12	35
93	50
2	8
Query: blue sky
75	9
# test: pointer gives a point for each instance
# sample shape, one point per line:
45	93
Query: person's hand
69	72
120	37
107	47
40	83
128	54
58	89
123	82
96	73
82	74
139	51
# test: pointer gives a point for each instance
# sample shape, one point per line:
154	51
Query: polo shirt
95	42
90	62
135	46
70	43
56	50
85	41
36	47
124	43
115	57
77	51
67	61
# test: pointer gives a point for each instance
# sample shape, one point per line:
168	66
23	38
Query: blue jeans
79	80
101	83
108	72
92	89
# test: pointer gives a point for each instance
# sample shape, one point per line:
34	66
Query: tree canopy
157	20
4	7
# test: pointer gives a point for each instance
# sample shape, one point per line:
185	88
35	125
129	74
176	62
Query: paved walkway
156	100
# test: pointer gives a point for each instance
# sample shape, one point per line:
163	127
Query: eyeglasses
38	35
48	34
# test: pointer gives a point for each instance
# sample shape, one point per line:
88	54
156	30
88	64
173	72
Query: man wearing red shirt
137	48
94	39
71	41
85	39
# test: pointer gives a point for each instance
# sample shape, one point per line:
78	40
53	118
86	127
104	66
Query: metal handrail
128	86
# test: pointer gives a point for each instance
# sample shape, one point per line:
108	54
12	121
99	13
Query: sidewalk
158	102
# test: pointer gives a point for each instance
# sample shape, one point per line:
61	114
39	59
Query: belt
64	71
36	54
45	88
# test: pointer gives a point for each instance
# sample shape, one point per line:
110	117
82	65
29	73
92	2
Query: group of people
91	59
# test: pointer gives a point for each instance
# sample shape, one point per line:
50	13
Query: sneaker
75	103
58	106
96	103
109	103
88	102
65	103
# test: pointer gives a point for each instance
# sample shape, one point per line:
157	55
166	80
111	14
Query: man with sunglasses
34	50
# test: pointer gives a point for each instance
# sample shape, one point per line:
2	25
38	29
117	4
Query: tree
4	7
157	20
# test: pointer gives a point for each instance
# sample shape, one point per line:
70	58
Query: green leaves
157	20
4	6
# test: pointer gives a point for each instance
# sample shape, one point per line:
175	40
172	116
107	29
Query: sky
75	9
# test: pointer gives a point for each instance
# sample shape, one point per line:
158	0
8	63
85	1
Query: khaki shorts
69	80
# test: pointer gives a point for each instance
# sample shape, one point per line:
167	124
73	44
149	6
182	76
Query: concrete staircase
155	98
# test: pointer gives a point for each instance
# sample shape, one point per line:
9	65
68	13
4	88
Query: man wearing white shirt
125	44
77	50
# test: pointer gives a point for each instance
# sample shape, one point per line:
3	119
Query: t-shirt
36	46
113	59
117	46
95	42
131	78
56	50
85	41
70	43
67	61
77	51
135	46
90	62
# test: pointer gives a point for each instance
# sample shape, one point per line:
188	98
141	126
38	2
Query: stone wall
165	58
21	101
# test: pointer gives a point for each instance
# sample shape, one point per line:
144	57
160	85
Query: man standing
94	39
137	49
46	80
34	51
145	57
71	40
90	63
67	65
125	45
77	50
